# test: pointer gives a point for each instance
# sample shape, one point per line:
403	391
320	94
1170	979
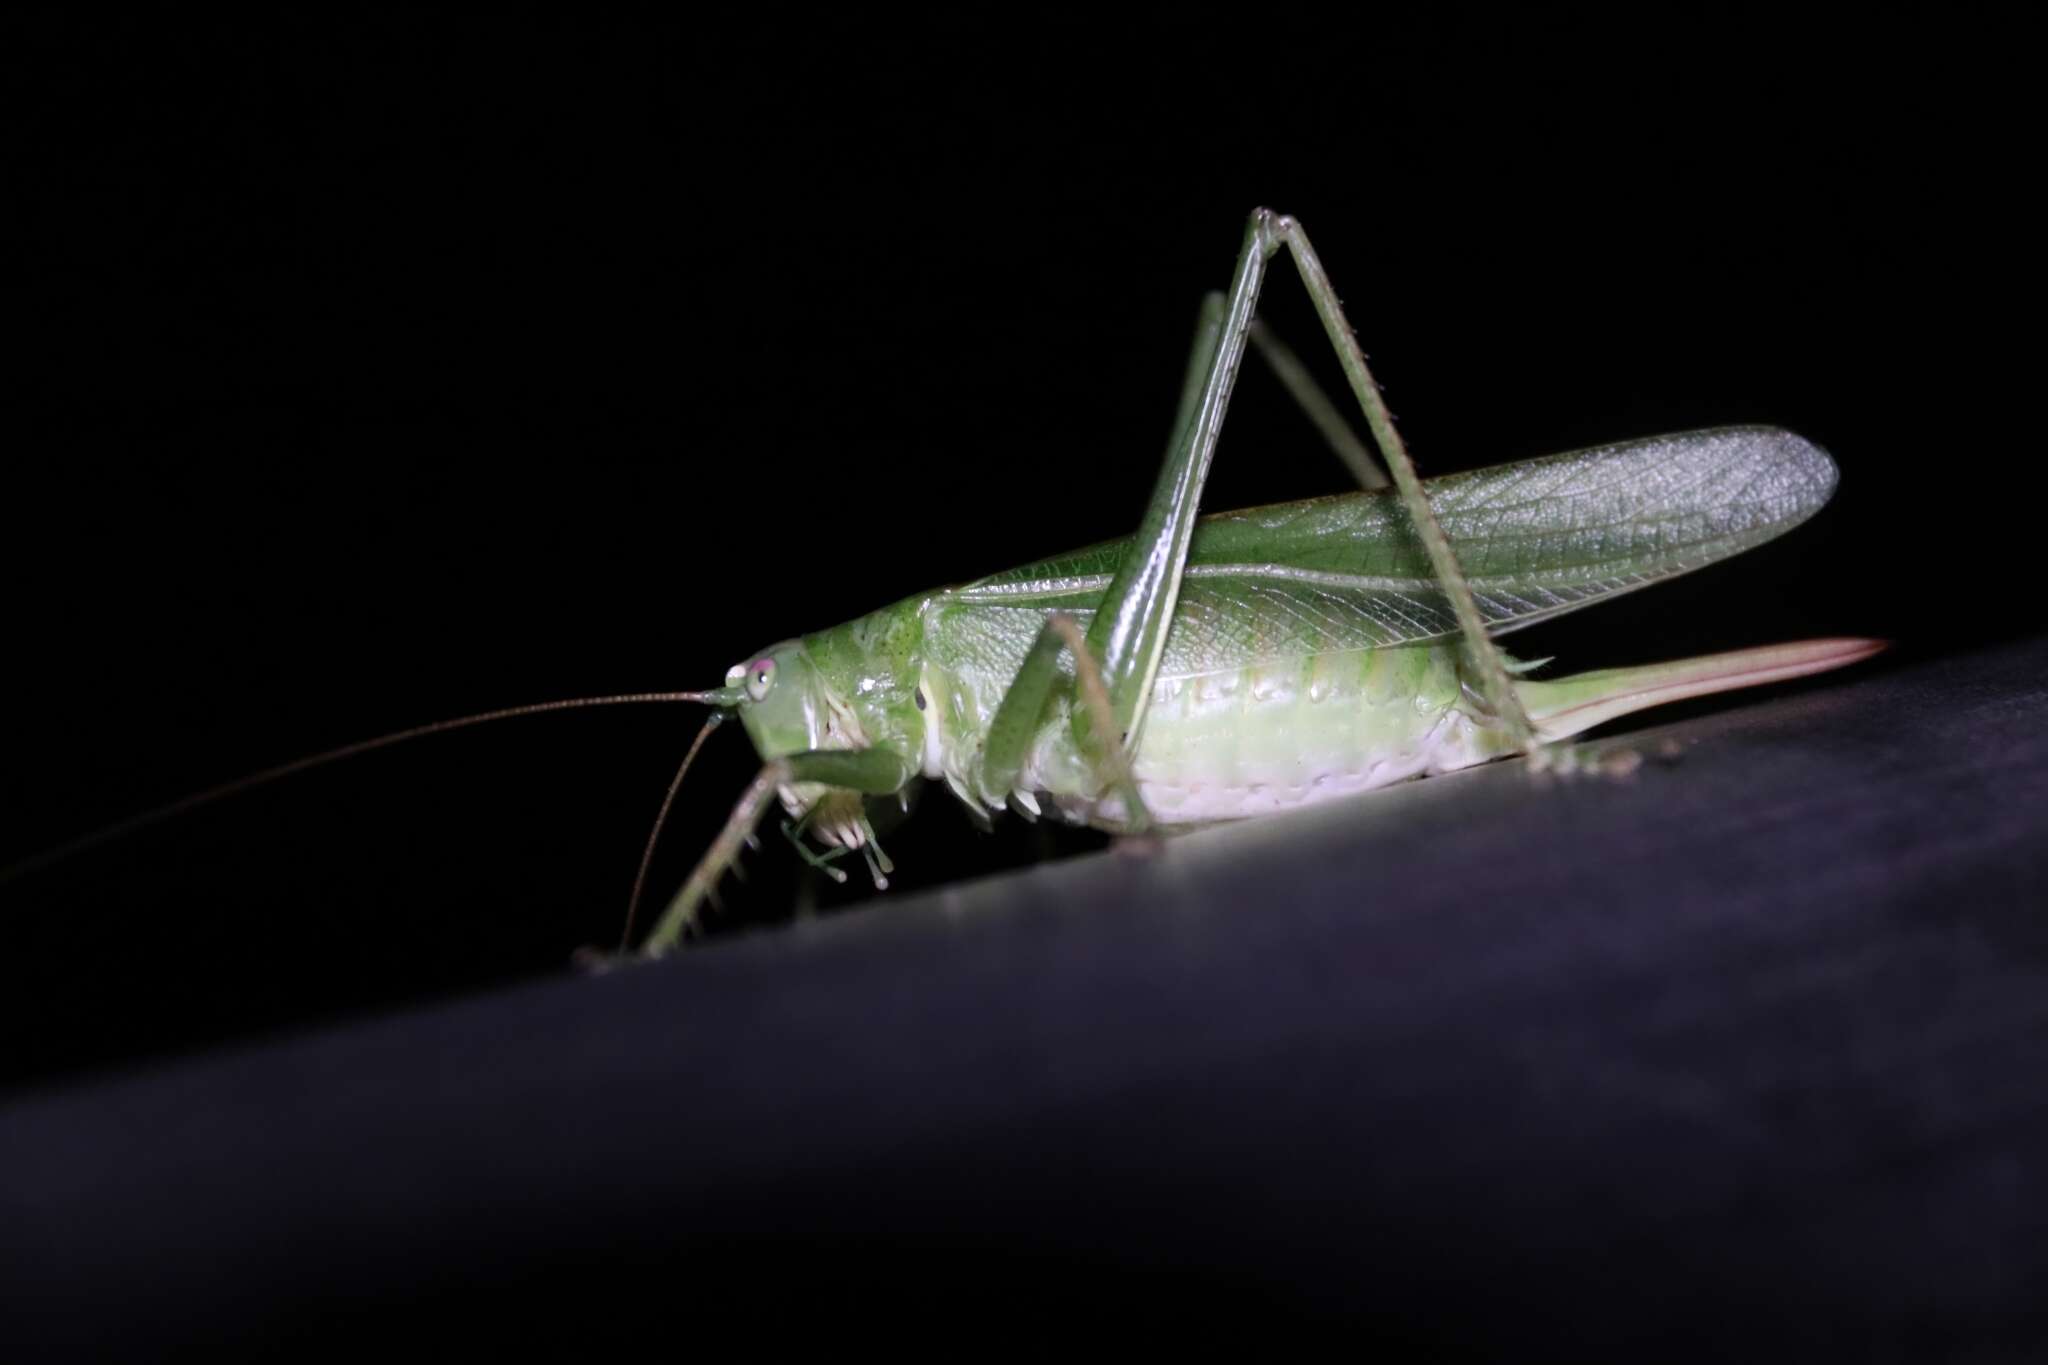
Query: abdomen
1286	733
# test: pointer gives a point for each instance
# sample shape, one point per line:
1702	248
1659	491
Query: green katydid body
1211	668
1312	651
1207	669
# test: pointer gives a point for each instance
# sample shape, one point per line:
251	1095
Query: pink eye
760	677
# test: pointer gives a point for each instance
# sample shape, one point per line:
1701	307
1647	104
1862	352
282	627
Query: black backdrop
373	371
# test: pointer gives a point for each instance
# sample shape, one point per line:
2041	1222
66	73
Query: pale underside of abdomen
1277	735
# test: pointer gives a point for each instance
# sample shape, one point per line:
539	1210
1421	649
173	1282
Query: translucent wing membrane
1537	539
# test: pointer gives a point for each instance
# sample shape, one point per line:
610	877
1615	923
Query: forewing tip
1805	470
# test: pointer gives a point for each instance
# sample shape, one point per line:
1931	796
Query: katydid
1209	669
1214	668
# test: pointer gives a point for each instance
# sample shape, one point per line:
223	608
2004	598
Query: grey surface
1748	1048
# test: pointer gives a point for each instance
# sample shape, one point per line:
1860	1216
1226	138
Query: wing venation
1537	539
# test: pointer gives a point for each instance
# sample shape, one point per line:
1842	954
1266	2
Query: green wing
1537	539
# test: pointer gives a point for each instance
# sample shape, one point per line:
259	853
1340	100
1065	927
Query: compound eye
760	677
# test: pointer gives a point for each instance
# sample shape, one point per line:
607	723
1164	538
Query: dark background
374	371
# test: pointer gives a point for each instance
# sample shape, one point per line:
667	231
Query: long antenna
712	722
123	828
